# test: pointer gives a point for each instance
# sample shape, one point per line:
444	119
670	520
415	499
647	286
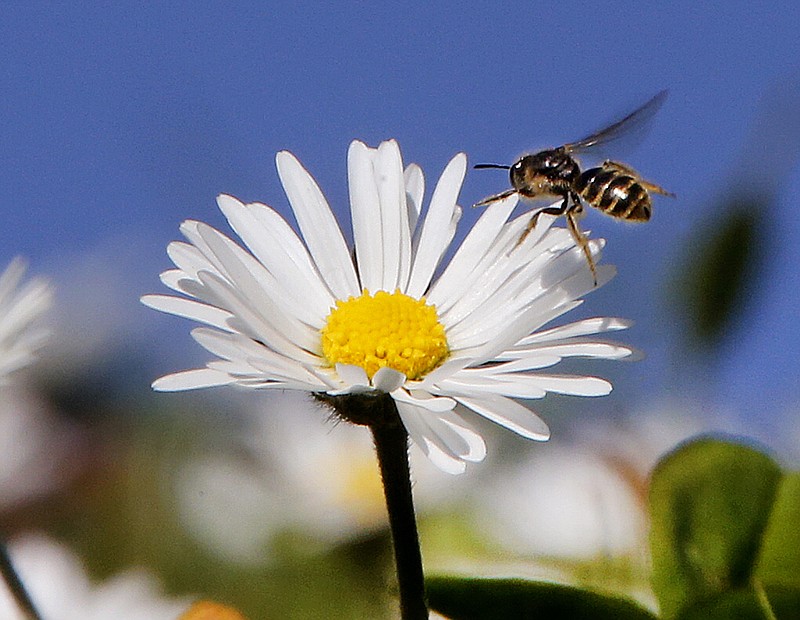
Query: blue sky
119	121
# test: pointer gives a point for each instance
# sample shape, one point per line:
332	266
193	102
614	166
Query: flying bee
613	187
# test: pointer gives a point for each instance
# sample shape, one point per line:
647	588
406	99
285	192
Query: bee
613	188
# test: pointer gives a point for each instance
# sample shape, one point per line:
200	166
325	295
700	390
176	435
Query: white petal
191	379
474	247
424	400
435	236
387	379
232	346
273	242
365	201
530	357
188	258
562	384
188	309
509	414
511	278
25	307
11	277
476	447
352	375
414	421
318	225
204	259
273	367
480	386
447	369
501	332
445	436
556	301
393	214
172	279
250	321
444	461
257	287
585	327
415	191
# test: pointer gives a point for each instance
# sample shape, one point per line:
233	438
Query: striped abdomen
615	192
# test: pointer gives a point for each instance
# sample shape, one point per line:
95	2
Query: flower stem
391	446
763	601
15	585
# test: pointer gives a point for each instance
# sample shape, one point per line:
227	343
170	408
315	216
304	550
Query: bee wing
635	120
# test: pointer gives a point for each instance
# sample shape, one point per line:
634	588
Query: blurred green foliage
461	598
717	275
724	544
724	533
724	259
709	502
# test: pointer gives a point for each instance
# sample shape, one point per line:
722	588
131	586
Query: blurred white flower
636	443
310	316
584	502
37	450
20	310
331	490
230	507
587	498
61	590
565	502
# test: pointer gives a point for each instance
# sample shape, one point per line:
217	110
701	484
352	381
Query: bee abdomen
615	193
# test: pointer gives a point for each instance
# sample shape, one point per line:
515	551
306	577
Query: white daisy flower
20	309
307	314
59	586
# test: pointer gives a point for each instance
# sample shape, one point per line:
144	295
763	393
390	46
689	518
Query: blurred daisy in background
38	449
565	502
21	307
234	501
581	506
310	315
34	445
58	584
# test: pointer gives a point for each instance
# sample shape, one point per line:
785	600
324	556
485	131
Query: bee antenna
501	166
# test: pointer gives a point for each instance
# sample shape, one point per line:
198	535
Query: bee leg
656	189
490	199
620	167
581	241
559	210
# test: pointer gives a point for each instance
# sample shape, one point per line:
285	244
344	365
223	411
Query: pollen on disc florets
385	329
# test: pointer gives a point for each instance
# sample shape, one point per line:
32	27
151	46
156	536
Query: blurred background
118	122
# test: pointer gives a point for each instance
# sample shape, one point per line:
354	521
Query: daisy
20	308
58	582
307	313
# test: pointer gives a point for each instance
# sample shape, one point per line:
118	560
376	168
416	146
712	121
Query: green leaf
462	598
710	501
779	563
784	603
718	272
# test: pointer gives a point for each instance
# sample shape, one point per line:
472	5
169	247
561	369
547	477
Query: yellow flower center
385	329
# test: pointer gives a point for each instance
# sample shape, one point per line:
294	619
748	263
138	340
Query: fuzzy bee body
613	188
615	193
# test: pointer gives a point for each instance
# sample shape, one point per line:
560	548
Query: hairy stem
391	445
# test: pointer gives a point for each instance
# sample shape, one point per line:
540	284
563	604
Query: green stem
16	586
391	446
763	601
